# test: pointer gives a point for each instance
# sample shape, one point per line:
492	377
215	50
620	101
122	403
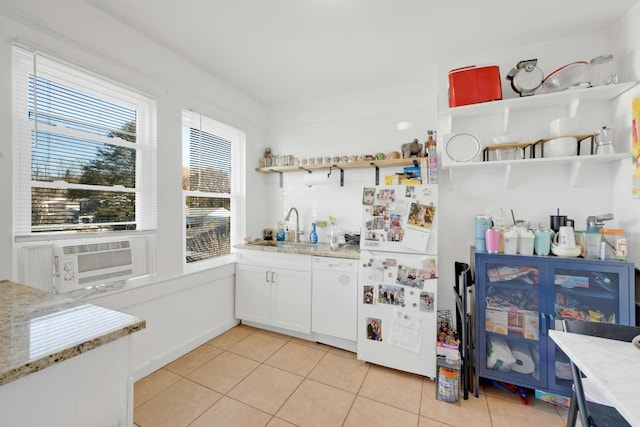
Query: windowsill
74	235
208	264
149	288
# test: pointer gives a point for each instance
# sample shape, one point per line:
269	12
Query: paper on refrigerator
405	332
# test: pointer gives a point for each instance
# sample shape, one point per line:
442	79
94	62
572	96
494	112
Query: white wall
181	311
364	123
627	36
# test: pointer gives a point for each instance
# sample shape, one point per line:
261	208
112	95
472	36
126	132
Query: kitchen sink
287	245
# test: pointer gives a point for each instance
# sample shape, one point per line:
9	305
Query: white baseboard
153	365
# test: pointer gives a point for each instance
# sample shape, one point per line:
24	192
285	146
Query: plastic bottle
333	239
313	236
280	233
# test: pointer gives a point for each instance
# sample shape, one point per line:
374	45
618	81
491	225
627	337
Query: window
213	187
84	150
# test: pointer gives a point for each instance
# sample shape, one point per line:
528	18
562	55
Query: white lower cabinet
274	290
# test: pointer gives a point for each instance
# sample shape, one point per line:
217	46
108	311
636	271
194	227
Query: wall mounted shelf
377	164
575	163
527	103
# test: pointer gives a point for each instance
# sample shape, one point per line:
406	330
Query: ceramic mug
565	238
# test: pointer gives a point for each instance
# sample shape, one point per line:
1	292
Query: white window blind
84	150
212	185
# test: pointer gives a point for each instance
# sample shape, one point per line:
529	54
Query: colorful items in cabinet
567	281
524	322
553	398
496	321
531	328
504	273
514	298
499	356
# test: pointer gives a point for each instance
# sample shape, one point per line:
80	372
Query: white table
614	366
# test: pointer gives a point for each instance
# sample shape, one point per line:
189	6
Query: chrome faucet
296	237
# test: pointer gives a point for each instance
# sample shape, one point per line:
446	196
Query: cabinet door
253	291
595	291
291	300
510	344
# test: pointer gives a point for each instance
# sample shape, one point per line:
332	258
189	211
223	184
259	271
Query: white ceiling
286	50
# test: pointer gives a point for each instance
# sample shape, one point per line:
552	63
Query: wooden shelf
342	165
376	164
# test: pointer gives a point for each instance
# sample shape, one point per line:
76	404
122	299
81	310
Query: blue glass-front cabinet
519	298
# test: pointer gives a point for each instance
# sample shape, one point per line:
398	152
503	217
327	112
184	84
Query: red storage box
471	85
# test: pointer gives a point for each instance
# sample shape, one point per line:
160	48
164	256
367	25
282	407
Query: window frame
237	196
25	62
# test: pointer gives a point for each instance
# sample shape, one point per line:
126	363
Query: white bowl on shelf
561	147
566	252
506	139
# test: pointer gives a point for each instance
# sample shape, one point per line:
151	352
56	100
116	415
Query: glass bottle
267	157
430	145
313	236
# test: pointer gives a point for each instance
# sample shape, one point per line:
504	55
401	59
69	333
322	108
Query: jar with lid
266	158
614	241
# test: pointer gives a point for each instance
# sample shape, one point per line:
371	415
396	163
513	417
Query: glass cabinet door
510	307
595	292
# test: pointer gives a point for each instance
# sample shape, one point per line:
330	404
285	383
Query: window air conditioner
92	264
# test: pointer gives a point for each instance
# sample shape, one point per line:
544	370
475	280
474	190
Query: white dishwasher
334	302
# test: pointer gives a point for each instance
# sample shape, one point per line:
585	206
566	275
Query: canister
542	241
492	237
481	224
525	243
615	243
591	241
510	241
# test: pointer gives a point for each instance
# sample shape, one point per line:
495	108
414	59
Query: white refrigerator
398	278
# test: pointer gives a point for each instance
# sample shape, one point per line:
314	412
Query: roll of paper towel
524	362
499	355
315	179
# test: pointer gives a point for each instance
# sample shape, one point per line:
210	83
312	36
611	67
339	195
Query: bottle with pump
280	233
313	236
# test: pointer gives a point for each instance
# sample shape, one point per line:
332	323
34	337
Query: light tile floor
251	377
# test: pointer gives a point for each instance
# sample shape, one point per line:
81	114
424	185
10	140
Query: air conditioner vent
95	247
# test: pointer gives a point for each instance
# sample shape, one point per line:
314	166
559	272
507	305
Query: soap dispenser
313	236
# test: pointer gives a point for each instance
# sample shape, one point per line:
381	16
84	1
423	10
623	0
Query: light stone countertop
613	366
318	249
39	329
